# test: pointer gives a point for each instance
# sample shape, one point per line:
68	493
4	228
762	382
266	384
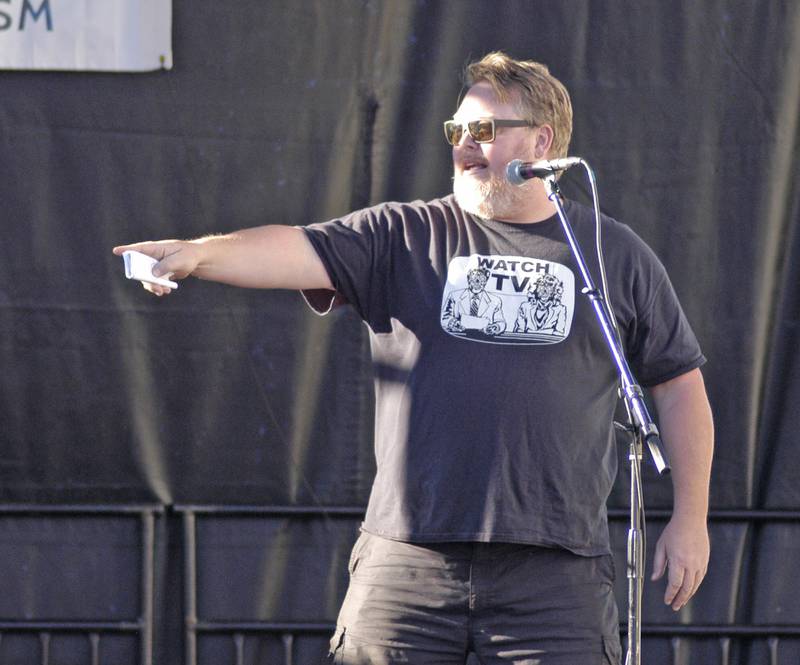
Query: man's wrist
690	516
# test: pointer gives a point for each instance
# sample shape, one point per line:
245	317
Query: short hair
539	96
483	272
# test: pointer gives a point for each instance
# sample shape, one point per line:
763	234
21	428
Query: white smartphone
139	266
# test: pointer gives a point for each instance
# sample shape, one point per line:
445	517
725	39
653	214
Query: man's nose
467	140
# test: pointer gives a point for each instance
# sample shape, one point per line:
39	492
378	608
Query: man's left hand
683	551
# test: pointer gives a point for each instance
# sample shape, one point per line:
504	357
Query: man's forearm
262	257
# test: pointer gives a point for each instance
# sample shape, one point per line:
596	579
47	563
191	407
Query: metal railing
93	630
287	631
679	635
727	641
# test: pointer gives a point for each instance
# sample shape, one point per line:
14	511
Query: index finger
675	580
136	247
157	250
691	585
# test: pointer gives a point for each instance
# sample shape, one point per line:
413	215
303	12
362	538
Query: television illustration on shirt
508	299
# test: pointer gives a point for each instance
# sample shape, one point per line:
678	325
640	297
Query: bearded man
486	529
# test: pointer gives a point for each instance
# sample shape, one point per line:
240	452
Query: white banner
87	35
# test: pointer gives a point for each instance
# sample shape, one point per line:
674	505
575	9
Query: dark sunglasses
481	131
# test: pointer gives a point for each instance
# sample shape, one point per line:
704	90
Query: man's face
479	169
476	281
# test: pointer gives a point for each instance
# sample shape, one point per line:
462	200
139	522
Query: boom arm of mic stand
632	393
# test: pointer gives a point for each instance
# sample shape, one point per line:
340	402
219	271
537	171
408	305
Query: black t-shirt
495	391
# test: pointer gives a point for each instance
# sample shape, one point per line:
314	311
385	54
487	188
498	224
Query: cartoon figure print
543	311
500	299
473	308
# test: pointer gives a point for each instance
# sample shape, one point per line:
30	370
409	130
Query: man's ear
543	141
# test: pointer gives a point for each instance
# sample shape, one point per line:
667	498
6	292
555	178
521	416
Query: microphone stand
641	427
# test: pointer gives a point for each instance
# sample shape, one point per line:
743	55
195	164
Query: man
486	528
473	308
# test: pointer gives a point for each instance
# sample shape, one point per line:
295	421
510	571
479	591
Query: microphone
518	171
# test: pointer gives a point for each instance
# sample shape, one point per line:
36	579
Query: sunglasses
481	131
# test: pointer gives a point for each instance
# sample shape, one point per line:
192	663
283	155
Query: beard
495	198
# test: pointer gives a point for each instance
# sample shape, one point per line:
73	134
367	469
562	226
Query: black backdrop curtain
294	112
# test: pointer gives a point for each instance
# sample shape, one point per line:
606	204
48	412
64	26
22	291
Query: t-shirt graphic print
508	299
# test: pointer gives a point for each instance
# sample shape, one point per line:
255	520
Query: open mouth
473	166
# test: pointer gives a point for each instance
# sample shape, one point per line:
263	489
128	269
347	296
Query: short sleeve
660	342
355	251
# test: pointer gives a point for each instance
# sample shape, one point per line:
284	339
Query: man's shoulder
444	205
580	213
619	239
405	215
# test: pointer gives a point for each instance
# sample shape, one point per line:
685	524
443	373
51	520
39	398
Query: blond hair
539	96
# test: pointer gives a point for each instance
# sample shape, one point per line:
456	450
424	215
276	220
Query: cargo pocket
612	649
336	651
355	554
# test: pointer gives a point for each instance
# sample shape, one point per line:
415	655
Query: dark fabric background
297	111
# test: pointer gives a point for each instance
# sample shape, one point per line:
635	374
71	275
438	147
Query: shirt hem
493	537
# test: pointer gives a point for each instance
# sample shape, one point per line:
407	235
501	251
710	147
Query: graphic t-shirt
495	391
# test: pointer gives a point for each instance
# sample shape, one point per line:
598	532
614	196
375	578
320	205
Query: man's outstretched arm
266	257
687	430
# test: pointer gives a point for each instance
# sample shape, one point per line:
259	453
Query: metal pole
148	586
190	589
634	397
635	556
643	428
